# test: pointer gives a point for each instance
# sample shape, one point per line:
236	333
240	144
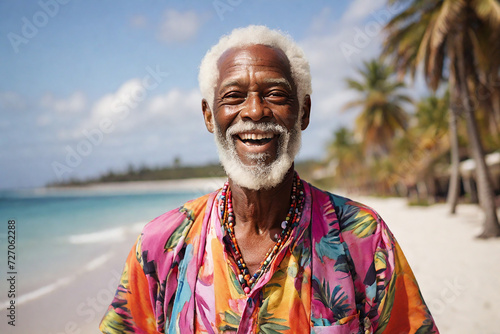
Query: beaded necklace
291	221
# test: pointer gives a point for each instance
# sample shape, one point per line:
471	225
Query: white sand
459	275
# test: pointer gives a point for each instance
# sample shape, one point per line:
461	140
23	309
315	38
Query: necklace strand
291	221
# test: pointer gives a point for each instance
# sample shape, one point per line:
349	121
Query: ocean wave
111	235
97	262
90	266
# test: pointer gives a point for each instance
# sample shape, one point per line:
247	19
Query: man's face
256	116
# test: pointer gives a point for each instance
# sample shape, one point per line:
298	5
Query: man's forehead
254	54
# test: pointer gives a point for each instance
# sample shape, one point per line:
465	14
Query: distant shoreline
193	184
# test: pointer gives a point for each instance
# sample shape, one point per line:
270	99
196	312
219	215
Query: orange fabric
142	311
408	311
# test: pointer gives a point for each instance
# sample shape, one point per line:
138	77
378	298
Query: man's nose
255	108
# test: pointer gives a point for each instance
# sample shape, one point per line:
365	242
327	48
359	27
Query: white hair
253	35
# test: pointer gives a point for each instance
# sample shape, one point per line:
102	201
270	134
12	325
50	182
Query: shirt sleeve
401	307
131	310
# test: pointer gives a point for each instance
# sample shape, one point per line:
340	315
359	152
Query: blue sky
73	102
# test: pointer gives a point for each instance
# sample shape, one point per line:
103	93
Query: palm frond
488	10
353	104
356	85
449	13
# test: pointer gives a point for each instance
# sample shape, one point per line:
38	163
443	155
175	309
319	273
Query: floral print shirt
342	272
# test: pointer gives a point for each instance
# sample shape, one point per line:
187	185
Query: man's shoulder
352	215
175	223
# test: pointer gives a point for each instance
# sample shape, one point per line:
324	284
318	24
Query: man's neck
259	211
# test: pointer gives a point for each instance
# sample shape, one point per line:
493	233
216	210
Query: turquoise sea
59	232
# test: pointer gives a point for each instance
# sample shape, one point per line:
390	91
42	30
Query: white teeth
256	136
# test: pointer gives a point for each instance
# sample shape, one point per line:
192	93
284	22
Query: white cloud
321	22
132	106
11	101
149	118
179	26
43	120
175	102
129	95
75	103
56	110
162	126
361	9
112	106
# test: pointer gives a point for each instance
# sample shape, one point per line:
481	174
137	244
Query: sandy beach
458	274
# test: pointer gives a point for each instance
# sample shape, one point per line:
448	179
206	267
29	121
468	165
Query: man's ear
306	108
207	115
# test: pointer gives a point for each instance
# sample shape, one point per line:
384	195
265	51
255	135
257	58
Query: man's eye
277	96
234	96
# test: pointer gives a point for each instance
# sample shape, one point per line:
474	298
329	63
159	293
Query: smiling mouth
256	139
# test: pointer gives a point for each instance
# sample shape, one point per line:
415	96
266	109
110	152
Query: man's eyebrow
229	83
275	81
279	81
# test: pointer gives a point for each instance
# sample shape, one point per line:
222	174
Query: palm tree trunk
423	192
453	188
431	189
495	101
491	227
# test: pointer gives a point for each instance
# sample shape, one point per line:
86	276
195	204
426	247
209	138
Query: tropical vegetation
455	44
457	41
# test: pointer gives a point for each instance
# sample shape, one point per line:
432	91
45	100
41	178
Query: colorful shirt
342	272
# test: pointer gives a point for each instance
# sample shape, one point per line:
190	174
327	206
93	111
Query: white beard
258	175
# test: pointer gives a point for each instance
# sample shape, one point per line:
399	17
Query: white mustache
243	126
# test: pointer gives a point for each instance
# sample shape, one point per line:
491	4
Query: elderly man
267	253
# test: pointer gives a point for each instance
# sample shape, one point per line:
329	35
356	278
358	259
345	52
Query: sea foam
40	292
112	235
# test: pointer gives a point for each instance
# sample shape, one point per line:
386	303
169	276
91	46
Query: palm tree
380	100
431	115
416	155
454	186
347	155
430	133
453	39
